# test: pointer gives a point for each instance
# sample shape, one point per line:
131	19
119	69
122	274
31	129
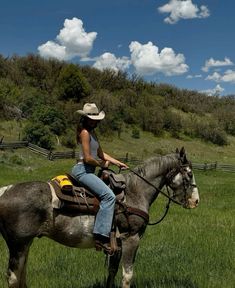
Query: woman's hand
104	163
122	165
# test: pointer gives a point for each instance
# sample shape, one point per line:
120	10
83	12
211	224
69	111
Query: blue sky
189	43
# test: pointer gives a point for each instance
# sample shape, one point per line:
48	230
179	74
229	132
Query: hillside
141	148
42	96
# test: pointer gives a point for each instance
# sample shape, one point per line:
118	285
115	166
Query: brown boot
103	243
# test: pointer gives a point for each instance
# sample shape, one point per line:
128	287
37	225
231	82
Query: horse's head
181	180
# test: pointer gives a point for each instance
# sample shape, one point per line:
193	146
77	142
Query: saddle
79	199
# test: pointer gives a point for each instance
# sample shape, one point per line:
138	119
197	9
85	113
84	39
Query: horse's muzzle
191	203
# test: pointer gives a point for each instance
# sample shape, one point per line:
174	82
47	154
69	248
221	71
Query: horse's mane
158	164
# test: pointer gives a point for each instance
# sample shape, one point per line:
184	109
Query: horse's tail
2	191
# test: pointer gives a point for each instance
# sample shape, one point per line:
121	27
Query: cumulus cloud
148	60
216	63
109	61
228	76
185	9
72	41
215	91
194	76
214	77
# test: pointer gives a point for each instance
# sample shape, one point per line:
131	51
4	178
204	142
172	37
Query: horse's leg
113	268
16	273
129	249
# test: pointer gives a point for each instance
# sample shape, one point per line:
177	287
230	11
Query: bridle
169	178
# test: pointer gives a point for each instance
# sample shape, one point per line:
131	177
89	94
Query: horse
26	212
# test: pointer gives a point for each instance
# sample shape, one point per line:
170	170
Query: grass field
189	249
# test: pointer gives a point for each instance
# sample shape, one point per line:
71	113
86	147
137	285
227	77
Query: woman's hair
82	124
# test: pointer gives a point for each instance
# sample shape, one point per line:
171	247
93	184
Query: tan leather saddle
79	199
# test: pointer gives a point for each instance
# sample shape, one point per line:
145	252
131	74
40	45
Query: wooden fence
50	155
39	150
13	145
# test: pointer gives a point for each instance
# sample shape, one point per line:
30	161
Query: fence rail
13	145
50	155
38	150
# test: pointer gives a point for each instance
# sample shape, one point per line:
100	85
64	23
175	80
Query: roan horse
26	212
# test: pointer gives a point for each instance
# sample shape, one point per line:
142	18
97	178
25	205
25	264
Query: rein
159	191
155	187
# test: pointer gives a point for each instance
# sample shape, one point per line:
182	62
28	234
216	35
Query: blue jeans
84	173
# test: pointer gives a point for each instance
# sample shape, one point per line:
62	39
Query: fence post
126	158
73	154
50	155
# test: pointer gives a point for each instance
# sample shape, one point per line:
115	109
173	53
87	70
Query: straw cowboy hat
91	111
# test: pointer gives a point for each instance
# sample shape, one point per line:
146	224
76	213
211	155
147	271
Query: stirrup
99	245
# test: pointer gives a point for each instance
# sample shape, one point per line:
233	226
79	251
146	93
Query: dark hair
82	124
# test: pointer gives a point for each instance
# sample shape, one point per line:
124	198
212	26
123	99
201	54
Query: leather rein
170	199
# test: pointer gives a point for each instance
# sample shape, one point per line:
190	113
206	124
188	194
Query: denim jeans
84	173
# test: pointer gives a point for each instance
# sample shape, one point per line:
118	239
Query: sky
186	43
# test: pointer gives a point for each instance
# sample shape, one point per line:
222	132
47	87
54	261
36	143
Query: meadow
190	248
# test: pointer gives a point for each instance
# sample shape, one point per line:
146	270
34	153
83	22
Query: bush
210	131
172	123
135	133
51	117
68	140
15	159
39	135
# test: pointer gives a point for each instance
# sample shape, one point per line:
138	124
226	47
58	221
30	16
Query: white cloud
185	9
214	77
229	76
215	91
109	61
148	60
72	41
194	76
216	63
53	50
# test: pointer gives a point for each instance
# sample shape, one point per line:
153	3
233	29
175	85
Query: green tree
72	84
51	117
39	135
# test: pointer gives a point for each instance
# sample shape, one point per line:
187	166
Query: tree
72	84
50	117
39	135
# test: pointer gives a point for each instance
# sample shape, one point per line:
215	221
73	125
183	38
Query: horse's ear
182	152
183	155
177	151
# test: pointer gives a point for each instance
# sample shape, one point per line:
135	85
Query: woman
91	156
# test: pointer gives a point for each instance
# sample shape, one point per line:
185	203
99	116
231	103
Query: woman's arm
106	157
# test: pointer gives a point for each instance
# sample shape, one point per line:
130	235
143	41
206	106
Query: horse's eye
190	174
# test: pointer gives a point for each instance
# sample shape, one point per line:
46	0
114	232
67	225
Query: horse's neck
141	194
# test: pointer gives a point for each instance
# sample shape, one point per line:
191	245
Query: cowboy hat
91	111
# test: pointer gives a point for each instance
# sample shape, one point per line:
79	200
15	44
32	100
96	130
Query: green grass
189	249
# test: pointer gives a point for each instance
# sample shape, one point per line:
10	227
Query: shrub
210	131
51	117
15	159
68	140
135	133
172	123
39	135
